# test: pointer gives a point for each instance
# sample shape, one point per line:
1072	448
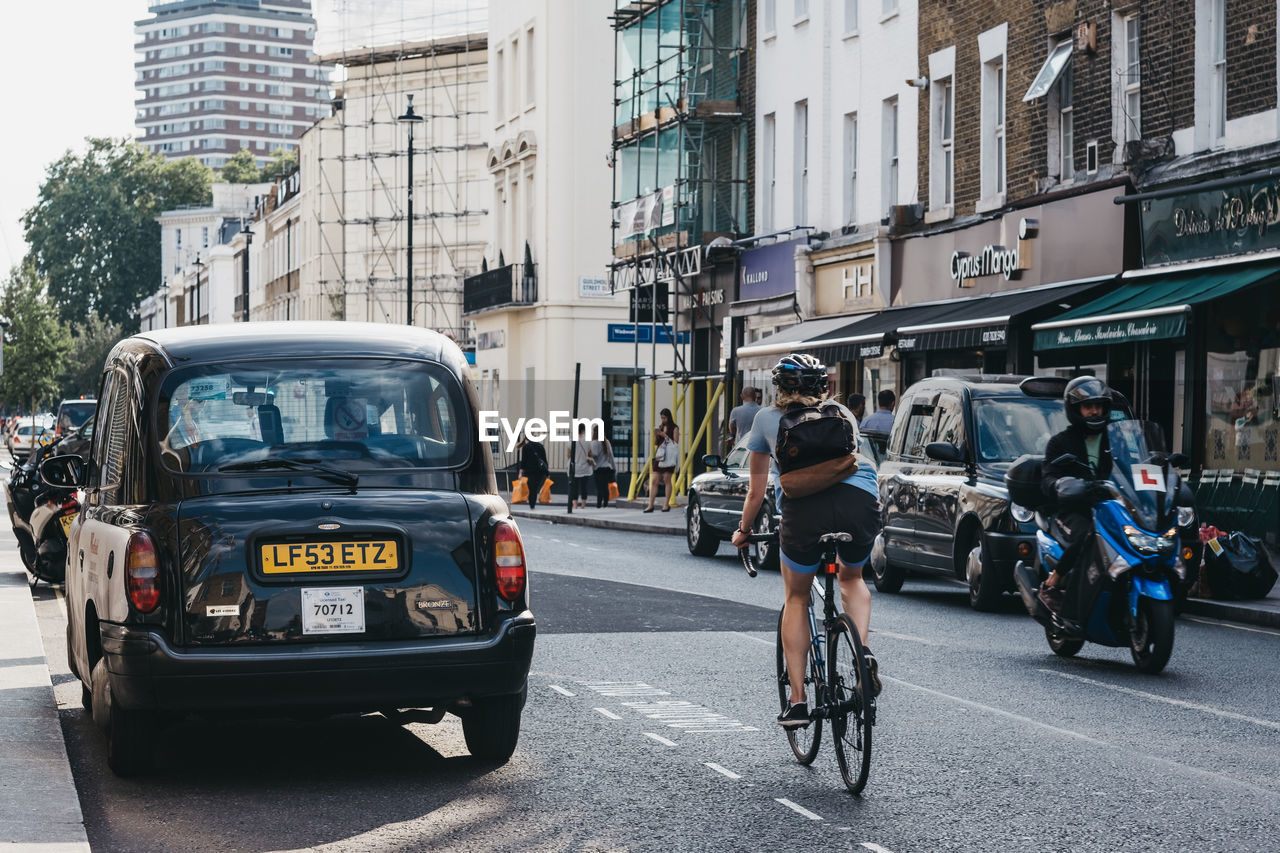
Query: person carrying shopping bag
581	463
601	453
666	457
533	465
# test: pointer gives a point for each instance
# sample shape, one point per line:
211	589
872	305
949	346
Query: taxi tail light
142	573
508	561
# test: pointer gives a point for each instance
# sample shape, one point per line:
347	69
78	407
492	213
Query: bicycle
834	682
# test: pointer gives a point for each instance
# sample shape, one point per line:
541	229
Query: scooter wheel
1063	646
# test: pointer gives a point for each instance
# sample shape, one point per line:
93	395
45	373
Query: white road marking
573	544
1009	715
62	600
875	848
909	637
757	639
679	714
797	809
660	739
557	688
624	688
721	770
608	713
1222	624
1142	694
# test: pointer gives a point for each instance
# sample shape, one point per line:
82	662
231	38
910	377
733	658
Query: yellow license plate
375	555
65	521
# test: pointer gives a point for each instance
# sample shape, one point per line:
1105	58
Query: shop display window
1242	394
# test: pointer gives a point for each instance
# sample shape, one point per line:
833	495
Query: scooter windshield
1142	483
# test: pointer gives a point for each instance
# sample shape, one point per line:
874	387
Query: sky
68	69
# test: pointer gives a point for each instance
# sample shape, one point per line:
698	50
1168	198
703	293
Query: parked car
291	519
20	439
715	504
72	414
942	494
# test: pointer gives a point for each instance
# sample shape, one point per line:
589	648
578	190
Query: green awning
1150	309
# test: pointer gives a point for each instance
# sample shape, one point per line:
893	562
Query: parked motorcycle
1135	550
42	514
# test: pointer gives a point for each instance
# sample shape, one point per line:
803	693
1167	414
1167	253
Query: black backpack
810	435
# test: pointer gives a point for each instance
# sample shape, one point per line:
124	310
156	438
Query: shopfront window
1242	395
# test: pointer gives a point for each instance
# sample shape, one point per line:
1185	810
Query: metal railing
513	284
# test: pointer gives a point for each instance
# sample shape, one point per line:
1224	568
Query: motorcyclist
1068	485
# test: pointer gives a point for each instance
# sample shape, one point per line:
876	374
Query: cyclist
850	506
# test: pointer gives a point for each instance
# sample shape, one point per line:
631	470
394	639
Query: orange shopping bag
520	490
544	496
613	491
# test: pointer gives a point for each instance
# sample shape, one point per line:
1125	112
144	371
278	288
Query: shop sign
493	339
626	333
594	288
769	270
875	350
701	299
642	303
1212	223
996	260
1112	332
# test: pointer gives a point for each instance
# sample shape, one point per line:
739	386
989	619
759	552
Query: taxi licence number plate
65	521
371	555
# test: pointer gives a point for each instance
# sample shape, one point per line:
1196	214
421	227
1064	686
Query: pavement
627	515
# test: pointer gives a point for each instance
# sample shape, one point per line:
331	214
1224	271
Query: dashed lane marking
721	770
606	712
875	848
557	688
800	810
1219	623
624	688
1155	697
660	739
679	714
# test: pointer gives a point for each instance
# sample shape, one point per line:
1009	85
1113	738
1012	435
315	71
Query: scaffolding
680	149
434	53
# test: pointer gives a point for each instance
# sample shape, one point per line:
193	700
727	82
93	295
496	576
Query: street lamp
199	265
410	118
244	278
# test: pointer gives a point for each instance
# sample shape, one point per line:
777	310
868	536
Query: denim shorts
843	508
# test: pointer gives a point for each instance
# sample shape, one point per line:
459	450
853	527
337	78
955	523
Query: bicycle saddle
835	537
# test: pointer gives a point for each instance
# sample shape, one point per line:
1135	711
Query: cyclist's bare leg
795	629
855	598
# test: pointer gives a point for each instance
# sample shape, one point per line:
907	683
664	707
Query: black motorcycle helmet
1087	389
800	373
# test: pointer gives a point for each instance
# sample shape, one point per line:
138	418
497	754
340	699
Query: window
1131	80
531	68
178	244
1066	123
993	121
514	87
801	184
942	144
850	181
770	16
889	7
850	16
770	156
204	236
950	421
1218	71
889	156
801	10
115	441
499	76
919	427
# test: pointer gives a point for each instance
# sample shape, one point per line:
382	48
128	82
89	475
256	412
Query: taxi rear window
355	415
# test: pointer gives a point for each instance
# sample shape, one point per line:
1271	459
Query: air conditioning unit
905	215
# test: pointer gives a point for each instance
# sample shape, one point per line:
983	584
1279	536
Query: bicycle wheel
804	741
850	720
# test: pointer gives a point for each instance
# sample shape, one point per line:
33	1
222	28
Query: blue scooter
1133	554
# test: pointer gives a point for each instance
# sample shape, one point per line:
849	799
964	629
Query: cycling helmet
1087	389
800	373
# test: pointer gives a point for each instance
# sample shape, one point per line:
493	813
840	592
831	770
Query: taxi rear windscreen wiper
306	466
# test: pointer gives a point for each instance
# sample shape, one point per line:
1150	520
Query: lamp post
199	265
244	278
410	118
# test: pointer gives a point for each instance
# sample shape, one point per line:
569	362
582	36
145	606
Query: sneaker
874	668
796	716
1051	597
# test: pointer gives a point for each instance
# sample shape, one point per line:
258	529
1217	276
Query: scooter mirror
64	472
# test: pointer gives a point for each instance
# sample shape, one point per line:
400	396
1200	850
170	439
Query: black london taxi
290	519
942	495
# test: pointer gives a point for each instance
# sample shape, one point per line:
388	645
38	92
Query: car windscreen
73	415
1010	427
348	415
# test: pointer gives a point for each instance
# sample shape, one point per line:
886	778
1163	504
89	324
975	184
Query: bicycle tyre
804	742
850	732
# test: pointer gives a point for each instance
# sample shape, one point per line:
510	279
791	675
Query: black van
286	518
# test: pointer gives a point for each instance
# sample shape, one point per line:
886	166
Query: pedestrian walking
533	466
601	453
881	420
581	464
666	456
858	406
742	415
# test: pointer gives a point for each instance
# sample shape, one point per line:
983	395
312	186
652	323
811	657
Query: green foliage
241	168
91	342
283	161
36	344
93	232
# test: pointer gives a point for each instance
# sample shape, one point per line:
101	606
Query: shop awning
765	352
1147	309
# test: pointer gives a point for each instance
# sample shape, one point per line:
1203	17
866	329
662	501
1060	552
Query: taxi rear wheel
492	726
129	732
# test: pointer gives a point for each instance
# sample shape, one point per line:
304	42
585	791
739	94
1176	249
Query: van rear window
355	415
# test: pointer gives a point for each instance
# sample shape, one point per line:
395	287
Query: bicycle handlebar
744	553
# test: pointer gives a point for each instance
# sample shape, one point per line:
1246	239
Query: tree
283	161
241	168
90	344
93	231
36	345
